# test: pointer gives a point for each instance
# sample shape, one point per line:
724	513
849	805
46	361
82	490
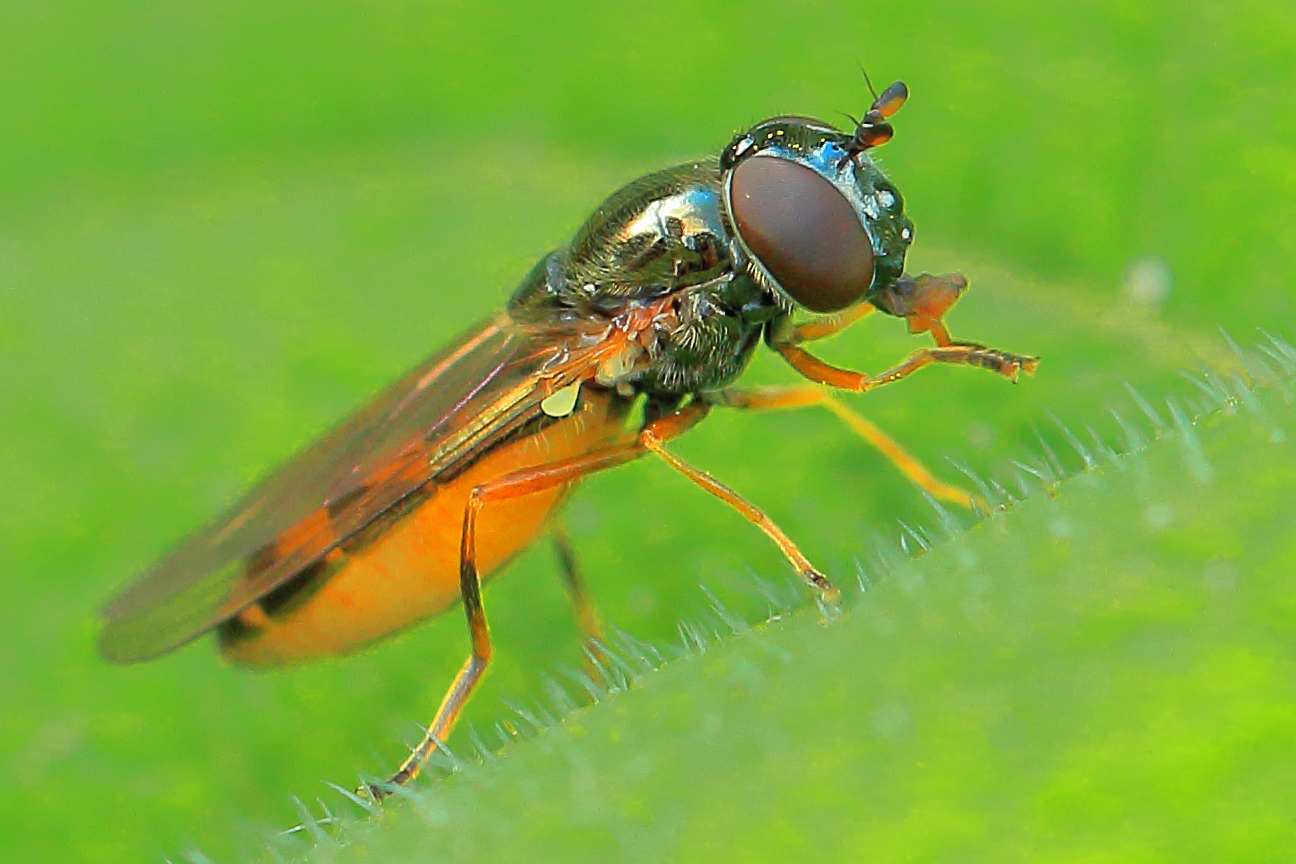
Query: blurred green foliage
223	224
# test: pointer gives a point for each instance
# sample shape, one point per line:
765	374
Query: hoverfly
611	347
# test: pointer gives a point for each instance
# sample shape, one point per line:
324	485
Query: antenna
872	130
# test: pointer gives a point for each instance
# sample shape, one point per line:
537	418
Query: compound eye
803	231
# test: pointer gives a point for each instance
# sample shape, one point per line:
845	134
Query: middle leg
583	606
809	396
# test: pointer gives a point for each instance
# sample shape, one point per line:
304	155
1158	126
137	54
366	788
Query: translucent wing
433	421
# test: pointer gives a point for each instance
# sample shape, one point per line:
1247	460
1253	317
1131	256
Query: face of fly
822	226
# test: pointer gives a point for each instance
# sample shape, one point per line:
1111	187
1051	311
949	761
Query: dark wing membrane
437	415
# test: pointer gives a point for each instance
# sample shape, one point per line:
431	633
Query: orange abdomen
410	571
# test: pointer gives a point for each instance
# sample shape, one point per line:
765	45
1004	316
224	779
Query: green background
222	225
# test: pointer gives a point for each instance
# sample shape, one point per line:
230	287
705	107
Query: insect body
651	312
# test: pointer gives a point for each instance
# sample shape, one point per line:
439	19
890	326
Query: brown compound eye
803	231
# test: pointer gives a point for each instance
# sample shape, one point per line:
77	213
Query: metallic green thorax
670	233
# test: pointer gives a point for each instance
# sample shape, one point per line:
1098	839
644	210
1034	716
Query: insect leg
805	396
471	672
514	485
922	301
654	436
587	616
960	353
828	325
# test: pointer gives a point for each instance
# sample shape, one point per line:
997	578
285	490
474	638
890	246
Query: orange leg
922	301
530	481
961	353
804	396
587	616
514	485
828	325
652	441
